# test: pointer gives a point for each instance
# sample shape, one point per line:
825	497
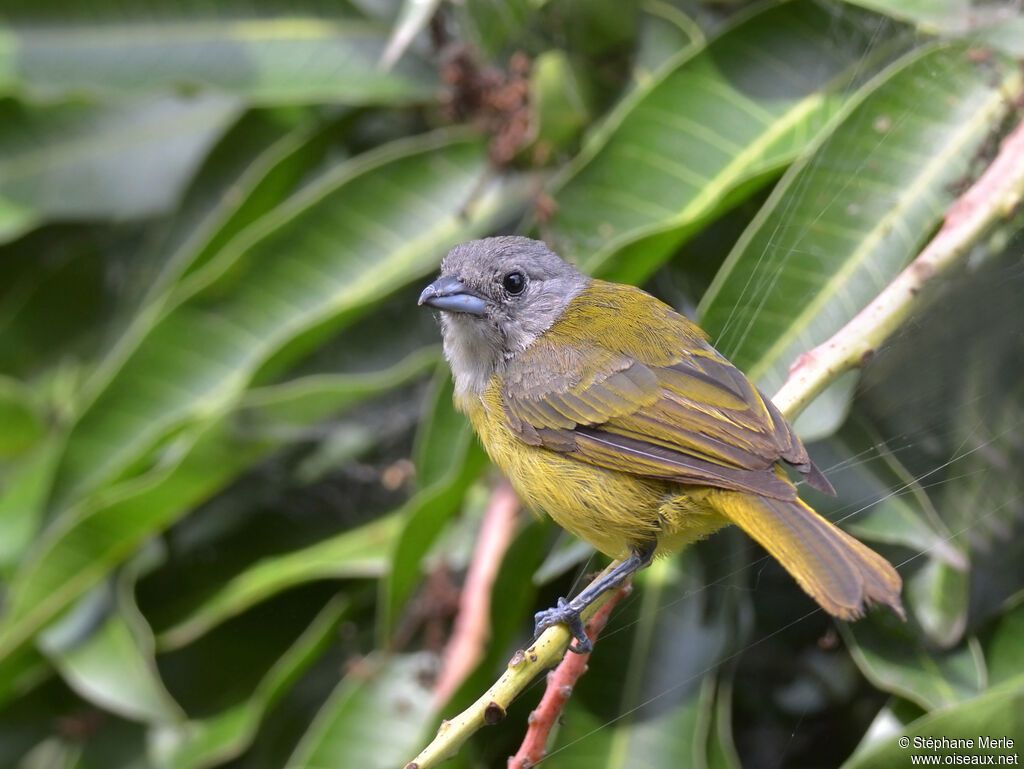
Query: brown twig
472	623
560	684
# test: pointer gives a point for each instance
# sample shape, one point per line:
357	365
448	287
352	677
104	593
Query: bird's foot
564	612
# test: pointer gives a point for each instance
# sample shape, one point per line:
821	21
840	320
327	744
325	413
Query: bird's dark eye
514	283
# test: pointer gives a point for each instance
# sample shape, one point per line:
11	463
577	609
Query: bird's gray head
496	297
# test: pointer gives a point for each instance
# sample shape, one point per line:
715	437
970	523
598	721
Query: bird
612	413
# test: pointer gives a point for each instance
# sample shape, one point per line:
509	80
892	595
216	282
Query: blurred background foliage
235	502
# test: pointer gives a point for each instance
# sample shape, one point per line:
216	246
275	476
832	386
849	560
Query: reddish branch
560	684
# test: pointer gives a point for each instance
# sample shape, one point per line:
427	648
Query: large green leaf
253	168
217	738
22	424
424	517
997	714
54	299
1003	651
91	538
1004	660
362	552
844	221
688	143
442	437
296	403
376	223
879	500
25	486
945	15
86	542
664	31
374	719
111	663
302	52
896	660
16	219
81	161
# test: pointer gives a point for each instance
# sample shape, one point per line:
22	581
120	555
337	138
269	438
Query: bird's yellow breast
611	510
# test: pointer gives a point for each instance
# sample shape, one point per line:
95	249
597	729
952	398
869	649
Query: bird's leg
568	612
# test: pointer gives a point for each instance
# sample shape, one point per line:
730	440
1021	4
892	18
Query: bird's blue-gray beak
449	293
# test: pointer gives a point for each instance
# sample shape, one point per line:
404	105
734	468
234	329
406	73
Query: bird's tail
837	571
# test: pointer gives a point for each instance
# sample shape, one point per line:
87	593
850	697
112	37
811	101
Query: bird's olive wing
688	416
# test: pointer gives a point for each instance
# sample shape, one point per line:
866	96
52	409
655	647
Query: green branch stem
991	198
491	706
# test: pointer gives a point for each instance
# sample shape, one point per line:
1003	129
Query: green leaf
493	24
443	434
22	424
302	52
256	164
558	103
1006	34
998	713
294	404
948	16
880	500
21	673
374	719
871	484
424	517
937	594
112	665
824	246
91	538
210	741
665	30
117	161
79	548
373	225
722	752
25	486
448	459
1004	653
686	145
16	219
360	553
254	167
897	660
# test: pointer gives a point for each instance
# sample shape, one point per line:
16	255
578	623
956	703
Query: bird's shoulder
623	346
626	320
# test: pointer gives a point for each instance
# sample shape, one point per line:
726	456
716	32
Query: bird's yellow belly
612	510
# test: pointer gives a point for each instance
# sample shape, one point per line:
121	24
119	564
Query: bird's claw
564	613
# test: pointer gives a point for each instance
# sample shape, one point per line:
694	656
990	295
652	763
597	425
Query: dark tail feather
837	571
